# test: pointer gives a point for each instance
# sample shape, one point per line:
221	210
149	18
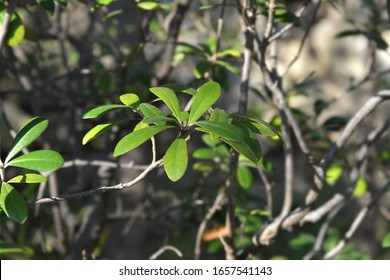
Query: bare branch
164	249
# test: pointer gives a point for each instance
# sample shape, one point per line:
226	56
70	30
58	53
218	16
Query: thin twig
356	223
164	249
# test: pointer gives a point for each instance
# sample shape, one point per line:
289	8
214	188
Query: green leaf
29	178
258	126
47	5
27	134
176	159
303	240
386	241
347	33
333	174
218	115
360	188
206	96
97	111
148	5
181	88
42	160
149	110
224	130
230	52
169	97
201	68
228	67
9	248
98	130
99	3
158	120
244	149
62	2
13	203
244	177
136	138
16	30
130	100
205	153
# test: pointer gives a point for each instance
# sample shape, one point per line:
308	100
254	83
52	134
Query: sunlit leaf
42	160
206	96
13	203
27	134
360	188
169	97
136	138
181	88
28	178
148	5
176	159
97	111
333	174
16	29
130	99
98	130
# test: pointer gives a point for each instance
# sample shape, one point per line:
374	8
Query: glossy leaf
97	111
218	115
13	203
98	130
16	30
224	130
244	177
176	159
258	126
158	120
136	138
181	88
169	97
42	160
47	5
28	178
149	110
244	149
27	134
130	100
206	96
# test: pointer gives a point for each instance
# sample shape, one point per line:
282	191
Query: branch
166	248
103	189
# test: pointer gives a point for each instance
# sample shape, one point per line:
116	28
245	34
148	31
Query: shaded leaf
228	66
42	160
169	97
244	149
13	203
136	138
149	110
201	68
244	177
206	96
29	178
158	120
205	153
9	248
347	33
224	130
27	134
47	5
176	159
386	241
97	111
335	123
